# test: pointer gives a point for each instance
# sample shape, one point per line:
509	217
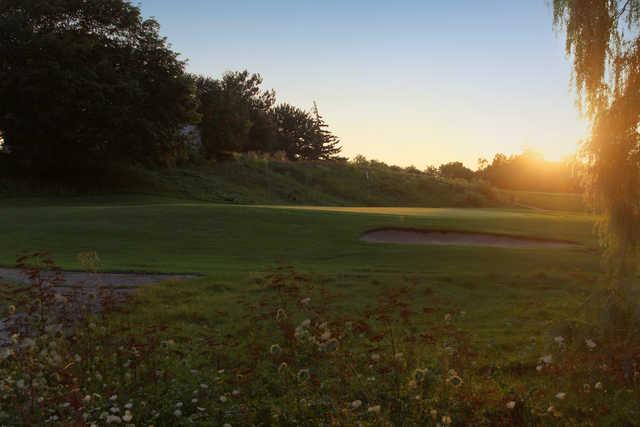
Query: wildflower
447	317
511	404
281	314
419	375
128	416
235	393
179	405
111	419
128	405
87	398
305	323
561	396
177	413
539	368
399	356
455	381
20	383
14	338
28	343
223	399
329	346
548	359
559	340
375	357
348	325
167	343
598	386
275	349
356	404
204	386
12	309
59	298
553	411
303	375
446	420
305	301
374	409
590	343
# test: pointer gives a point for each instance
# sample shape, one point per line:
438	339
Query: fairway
165	236
230	245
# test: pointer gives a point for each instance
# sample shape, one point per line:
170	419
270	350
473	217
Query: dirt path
117	280
452	238
80	289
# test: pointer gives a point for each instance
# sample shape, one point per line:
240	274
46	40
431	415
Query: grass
230	245
498	307
572	202
247	180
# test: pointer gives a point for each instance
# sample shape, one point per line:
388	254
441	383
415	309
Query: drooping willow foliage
603	40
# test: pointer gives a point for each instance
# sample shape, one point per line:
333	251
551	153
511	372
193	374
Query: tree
235	114
326	145
455	170
86	83
296	129
529	171
602	39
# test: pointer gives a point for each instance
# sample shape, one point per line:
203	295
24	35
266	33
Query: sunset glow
417	83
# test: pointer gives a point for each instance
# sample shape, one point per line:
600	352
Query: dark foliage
87	83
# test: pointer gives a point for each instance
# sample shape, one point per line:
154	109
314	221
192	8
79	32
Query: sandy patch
454	238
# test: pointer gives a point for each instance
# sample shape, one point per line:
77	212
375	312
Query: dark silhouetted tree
235	114
85	83
455	170
326	145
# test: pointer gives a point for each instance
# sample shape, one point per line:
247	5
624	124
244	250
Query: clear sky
407	82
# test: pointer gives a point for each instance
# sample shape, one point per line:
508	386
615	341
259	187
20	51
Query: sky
408	82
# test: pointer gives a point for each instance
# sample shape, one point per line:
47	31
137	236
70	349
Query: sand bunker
455	238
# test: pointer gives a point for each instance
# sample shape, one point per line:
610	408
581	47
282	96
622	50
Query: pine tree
327	145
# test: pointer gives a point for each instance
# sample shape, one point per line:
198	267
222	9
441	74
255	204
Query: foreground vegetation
444	333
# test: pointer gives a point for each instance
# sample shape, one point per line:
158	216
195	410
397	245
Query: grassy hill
256	181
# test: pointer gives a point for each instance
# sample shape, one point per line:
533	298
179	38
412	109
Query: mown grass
572	202
231	245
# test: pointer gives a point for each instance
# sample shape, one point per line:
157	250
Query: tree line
86	84
527	171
